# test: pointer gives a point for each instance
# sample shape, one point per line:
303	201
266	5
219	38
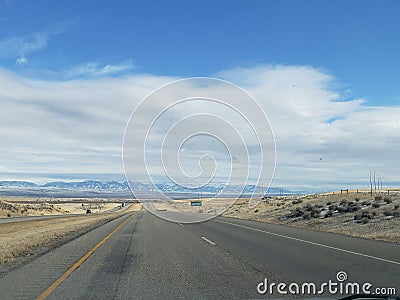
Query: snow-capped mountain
95	185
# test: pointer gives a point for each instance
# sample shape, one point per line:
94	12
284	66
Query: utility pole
370	180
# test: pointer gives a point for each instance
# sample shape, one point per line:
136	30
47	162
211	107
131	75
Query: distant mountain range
114	186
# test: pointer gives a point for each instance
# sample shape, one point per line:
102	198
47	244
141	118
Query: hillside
8	209
361	215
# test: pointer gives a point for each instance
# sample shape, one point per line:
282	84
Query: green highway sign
195	203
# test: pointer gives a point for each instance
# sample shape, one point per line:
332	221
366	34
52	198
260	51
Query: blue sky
326	72
357	41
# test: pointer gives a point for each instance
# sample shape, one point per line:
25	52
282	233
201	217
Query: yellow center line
56	283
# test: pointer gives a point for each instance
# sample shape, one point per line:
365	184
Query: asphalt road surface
144	257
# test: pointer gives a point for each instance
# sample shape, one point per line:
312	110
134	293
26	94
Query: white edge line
208	241
312	243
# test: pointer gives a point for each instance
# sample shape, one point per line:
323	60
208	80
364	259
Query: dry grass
18	238
277	210
31	206
80	208
8	209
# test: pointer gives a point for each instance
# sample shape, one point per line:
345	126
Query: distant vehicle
88	211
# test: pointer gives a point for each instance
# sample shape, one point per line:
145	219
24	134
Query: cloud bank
76	126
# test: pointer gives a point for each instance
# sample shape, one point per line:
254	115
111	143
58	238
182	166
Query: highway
141	256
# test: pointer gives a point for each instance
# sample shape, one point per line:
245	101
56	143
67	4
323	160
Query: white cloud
320	137
19	47
23	45
93	69
22	60
77	126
